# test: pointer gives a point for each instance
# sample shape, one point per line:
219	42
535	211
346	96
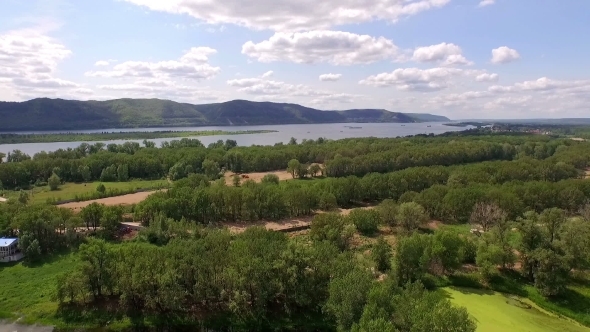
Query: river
283	134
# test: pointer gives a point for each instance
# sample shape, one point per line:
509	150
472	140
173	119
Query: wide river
283	134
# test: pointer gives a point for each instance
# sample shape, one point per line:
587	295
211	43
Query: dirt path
284	225
118	200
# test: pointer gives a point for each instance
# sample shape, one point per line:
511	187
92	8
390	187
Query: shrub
365	221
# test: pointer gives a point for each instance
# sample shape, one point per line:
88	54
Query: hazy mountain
59	114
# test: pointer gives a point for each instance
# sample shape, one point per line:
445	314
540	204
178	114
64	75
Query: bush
365	221
408	197
54	182
327	201
388	212
270	178
330	227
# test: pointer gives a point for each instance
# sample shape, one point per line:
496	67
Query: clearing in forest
128	199
499	312
256	176
69	191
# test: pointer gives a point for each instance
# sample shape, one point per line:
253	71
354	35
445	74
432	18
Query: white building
9	251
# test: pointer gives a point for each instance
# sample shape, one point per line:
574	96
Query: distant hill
59	114
425	117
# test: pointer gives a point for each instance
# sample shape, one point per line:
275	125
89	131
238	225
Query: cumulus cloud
484	3
101	63
263	89
543	97
293	15
338	98
504	54
335	47
330	77
267	74
544	84
28	63
163	89
485	77
259	86
192	65
443	53
415	79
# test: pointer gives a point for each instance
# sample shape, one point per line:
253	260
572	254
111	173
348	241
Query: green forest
60	114
506	213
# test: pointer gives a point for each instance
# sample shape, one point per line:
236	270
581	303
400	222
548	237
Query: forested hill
59	114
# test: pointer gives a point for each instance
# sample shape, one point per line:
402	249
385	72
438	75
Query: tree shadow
472	291
46	259
509	281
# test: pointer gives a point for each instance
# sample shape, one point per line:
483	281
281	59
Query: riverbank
111	136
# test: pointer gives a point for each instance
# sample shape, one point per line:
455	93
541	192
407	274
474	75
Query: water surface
283	134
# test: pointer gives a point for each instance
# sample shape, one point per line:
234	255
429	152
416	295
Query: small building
9	250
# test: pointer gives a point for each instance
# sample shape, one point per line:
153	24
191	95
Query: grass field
28	292
497	312
70	190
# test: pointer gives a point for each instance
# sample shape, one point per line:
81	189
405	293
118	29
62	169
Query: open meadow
70	190
494	312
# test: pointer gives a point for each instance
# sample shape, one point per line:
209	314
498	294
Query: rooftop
5	242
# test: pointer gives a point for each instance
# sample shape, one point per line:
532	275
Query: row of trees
341	158
446	193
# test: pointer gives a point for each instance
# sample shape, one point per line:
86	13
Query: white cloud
164	90
267	74
28	63
262	89
485	77
484	3
504	54
291	15
544	84
192	65
101	63
337	98
330	77
543	97
443	53
335	47
415	79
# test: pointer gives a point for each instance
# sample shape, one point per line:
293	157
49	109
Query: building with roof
9	250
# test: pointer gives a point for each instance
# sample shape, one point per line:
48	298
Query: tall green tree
54	181
293	167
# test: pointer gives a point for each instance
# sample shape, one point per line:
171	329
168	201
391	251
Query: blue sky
460	58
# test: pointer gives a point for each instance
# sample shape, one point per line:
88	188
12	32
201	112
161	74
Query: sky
465	59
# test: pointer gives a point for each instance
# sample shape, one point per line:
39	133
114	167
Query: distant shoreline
14	138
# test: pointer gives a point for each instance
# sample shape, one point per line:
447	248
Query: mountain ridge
61	114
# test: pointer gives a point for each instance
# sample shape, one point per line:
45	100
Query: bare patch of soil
587	173
434	224
128	199
281	225
257	176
